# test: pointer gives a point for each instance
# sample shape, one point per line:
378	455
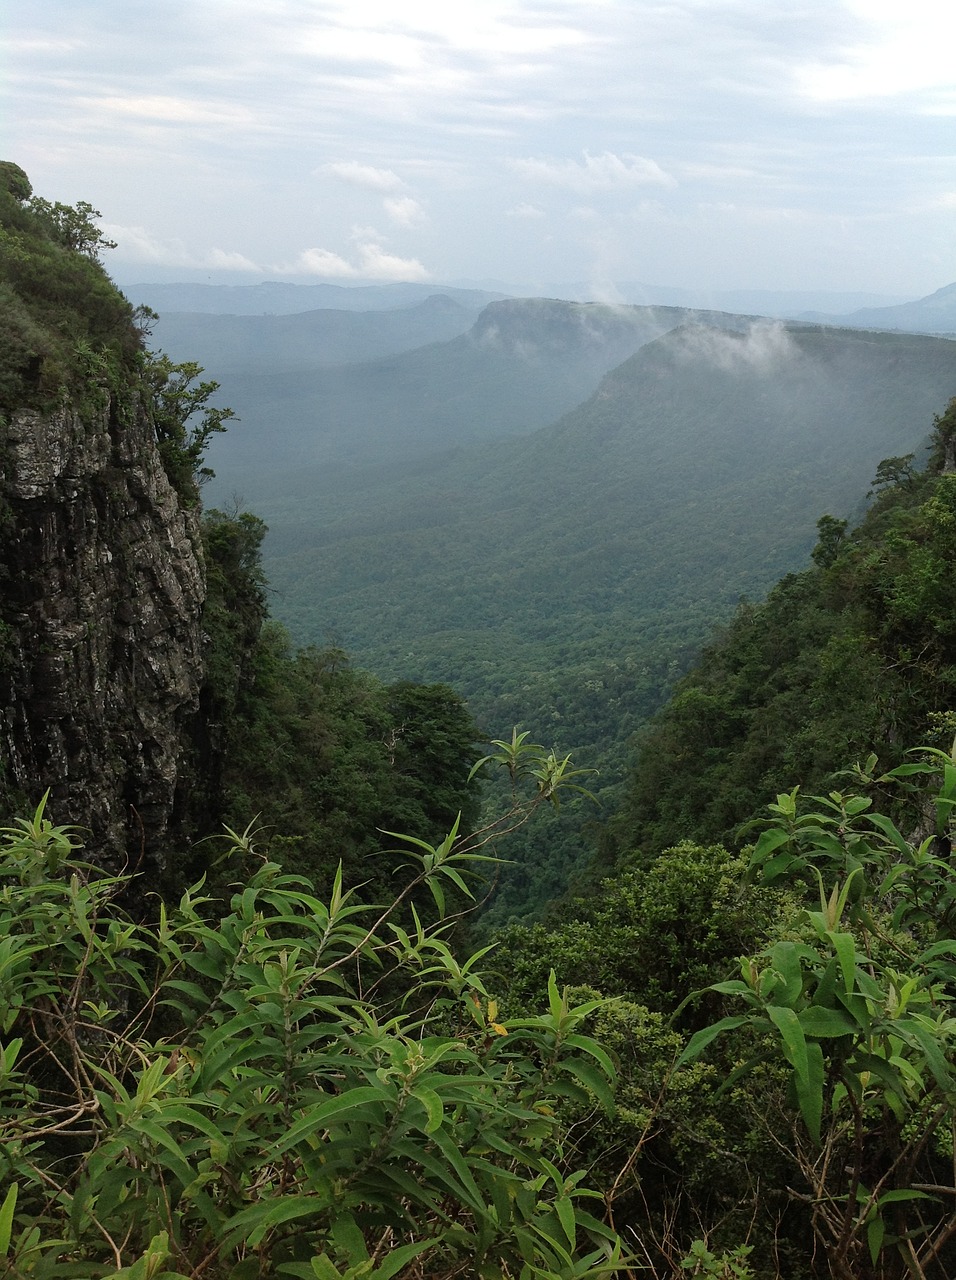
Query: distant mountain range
310	340
782	303
284	298
523	363
933	314
277	297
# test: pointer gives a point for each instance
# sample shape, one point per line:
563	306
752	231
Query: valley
552	510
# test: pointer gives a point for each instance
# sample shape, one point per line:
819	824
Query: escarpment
100	640
101	571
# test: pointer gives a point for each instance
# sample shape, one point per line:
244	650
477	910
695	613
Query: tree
72	226
894	471
183	419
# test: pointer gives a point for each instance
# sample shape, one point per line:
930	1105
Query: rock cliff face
101	588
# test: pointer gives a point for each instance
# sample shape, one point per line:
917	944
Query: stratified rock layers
101	589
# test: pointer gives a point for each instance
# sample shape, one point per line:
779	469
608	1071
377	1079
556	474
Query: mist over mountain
523	364
933	314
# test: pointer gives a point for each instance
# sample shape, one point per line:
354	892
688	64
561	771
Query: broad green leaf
844	945
565	1212
448	1148
701	1039
794	1041
7	1211
586	1045
432	1104
400	1257
329	1112
251	1225
592	1079
786	961
821	1023
875	1232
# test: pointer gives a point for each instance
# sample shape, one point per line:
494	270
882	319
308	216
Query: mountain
563	579
278	297
933	314
309	340
525	362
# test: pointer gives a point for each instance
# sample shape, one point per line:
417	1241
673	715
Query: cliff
101	575
102	593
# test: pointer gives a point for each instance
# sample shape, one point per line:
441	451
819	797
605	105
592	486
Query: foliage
679	1156
297	1087
854	654
57	301
328	756
566	578
183	419
857	999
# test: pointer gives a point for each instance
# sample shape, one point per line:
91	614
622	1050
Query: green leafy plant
857	999
296	1086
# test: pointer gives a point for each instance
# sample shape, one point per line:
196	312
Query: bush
288	1087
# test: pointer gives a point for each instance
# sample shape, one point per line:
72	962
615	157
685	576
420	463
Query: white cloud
224	260
528	211
897	49
374	263
321	262
169	110
136	244
363	175
404	210
596	173
765	346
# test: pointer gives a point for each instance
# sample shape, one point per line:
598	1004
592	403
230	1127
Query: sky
702	144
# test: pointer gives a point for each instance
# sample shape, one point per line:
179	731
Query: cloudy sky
710	144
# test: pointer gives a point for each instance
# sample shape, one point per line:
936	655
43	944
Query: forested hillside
855	654
803	1068
565	580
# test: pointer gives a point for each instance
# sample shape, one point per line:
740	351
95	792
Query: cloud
136	244
895	50
321	262
374	263
605	172
404	210
764	347
529	211
363	175
172	111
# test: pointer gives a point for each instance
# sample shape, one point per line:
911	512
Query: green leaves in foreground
858	1001
292	1087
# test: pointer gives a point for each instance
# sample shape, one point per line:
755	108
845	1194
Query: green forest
302	1045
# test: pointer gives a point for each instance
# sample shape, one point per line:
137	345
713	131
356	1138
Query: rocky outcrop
101	588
